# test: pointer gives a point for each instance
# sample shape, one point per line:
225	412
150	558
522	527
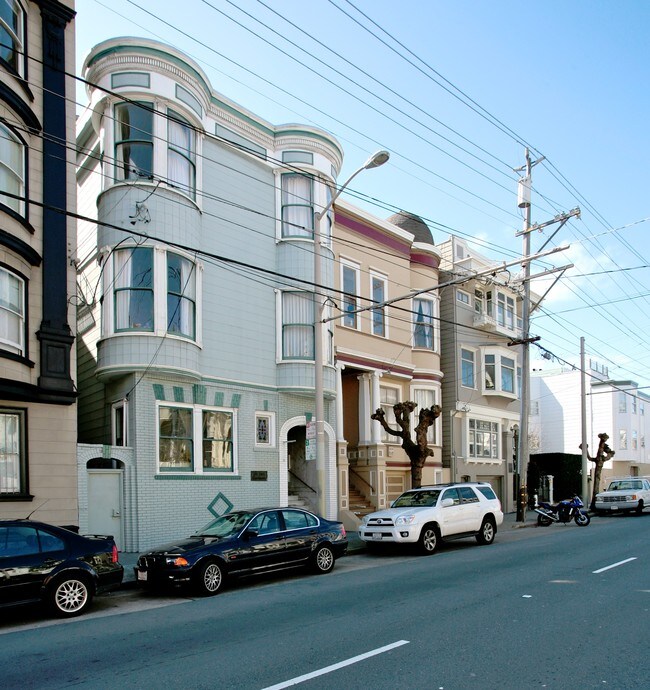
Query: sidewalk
355	545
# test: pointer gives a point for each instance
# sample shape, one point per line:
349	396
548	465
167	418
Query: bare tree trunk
603	454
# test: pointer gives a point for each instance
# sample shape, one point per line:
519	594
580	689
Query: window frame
270	419
196	466
21	471
622	439
462	367
131	288
463	297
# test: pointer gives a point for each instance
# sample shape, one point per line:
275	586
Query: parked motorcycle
564	511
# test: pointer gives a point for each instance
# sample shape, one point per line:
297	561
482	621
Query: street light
377	159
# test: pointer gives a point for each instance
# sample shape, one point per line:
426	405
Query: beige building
38	429
384	355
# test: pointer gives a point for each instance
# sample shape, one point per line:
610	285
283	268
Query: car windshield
226	525
625	485
418	499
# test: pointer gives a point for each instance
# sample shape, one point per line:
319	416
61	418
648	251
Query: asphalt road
558	607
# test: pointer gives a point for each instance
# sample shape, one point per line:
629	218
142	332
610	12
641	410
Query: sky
456	91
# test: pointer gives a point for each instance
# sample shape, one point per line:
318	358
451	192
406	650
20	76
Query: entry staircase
359	504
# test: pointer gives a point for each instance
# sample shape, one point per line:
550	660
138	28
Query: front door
105	504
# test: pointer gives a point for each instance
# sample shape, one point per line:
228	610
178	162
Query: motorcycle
564	511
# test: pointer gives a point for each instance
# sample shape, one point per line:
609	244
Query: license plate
377	536
613	507
142	575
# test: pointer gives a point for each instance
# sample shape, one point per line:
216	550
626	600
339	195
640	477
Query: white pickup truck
624	494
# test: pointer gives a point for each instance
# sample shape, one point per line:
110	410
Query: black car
244	542
54	565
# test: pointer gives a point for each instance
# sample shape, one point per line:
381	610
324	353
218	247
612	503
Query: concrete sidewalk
355	545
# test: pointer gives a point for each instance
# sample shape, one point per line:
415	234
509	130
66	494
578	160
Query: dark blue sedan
244	542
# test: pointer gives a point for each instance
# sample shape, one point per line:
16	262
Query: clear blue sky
568	77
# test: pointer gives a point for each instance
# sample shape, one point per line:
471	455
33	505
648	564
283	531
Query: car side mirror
447	502
250	534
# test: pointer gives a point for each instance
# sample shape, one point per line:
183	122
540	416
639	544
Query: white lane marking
613	565
334	667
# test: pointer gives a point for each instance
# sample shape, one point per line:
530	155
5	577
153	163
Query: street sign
310	438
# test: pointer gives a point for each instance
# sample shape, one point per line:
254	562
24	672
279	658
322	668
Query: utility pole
523	201
583	418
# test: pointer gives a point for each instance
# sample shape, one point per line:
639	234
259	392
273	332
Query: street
556	607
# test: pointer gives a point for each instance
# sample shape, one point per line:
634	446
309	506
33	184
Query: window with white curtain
181	428
425	398
181	298
13	460
12	28
388	397
12	169
297	206
297	325
181	169
144	303
134	143
134	295
423	333
12	312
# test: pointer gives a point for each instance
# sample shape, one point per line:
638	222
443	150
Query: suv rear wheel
428	541
487	532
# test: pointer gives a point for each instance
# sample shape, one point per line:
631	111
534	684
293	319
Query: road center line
613	565
334	667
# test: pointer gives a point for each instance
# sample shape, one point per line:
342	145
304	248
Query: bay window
423	334
181	167
297	206
12	169
425	398
134	296
388	397
297	325
12	312
500	372
134	141
12	27
142	302
181	298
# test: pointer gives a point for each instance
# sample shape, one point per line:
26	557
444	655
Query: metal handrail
295	476
372	488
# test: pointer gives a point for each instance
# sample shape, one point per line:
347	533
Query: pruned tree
417	450
603	454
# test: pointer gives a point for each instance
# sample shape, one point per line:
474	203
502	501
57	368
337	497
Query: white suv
433	513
